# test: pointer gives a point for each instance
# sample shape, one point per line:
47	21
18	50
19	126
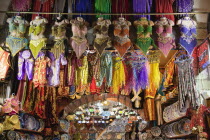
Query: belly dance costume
154	81
78	42
4	65
102	39
187	86
17	42
118	80
144	41
188	38
61	43
121	32
165	39
36	45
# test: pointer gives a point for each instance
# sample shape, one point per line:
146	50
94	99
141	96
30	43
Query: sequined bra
121	29
79	29
58	30
20	28
144	30
36	29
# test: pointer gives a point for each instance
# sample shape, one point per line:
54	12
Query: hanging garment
184	6
40	70
81	78
93	71
118	79
165	39
43	6
25	65
102	40
63	90
79	42
121	6
142	6
83	6
164	6
4	65
121	32
188	38
21	5
16	44
187	86
11	106
144	30
70	68
169	73
54	70
103	6
106	68
36	45
61	42
154	81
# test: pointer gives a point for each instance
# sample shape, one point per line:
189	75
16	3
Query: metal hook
80	14
121	14
59	15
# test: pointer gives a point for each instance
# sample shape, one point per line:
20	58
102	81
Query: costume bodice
102	27
59	30
79	28
15	26
189	29
164	30
121	28
36	29
143	29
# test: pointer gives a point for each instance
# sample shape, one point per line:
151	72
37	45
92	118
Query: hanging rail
192	13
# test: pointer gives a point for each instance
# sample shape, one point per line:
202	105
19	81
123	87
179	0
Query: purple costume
25	65
188	38
54	72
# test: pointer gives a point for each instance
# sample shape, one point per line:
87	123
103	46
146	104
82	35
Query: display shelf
182	136
176	120
29	131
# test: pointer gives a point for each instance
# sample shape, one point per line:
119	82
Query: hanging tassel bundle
103	6
142	6
21	5
120	6
83	6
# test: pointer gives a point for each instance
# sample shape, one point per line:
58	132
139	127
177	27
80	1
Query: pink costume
78	41
165	38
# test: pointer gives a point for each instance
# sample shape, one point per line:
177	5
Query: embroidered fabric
165	39
184	6
121	32
187	89
25	65
188	38
4	65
